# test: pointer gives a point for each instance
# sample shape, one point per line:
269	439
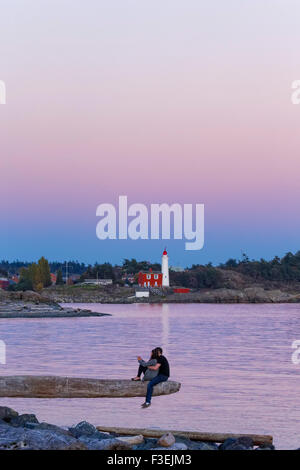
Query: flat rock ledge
20	309
31	386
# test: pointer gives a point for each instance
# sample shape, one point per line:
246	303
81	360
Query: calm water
234	362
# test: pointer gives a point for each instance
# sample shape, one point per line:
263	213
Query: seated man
163	374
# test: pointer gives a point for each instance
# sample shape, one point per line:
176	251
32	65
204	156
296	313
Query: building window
155	276
148	276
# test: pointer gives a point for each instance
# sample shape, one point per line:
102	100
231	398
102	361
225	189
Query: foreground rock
166	440
36	439
31	386
25	432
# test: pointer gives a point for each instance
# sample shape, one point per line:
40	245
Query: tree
36	276
59	278
44	276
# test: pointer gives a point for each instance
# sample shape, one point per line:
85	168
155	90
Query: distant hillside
234	274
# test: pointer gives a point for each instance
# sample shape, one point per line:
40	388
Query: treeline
14	267
197	277
278	269
37	275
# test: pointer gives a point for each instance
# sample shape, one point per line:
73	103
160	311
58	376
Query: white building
142	293
165	269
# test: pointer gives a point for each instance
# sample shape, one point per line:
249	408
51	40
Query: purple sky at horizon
170	101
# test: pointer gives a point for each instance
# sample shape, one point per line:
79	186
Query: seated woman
143	368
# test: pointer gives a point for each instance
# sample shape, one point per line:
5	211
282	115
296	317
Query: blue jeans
159	378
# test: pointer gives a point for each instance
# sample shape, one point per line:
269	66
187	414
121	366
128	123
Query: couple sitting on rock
155	370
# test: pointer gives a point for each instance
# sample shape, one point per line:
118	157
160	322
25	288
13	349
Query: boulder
245	441
105	444
82	429
12	437
227	443
6	414
48	427
166	440
148	444
203	446
267	447
21	420
240	443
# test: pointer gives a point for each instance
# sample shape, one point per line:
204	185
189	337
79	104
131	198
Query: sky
165	102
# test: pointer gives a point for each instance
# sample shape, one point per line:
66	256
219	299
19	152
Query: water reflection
165	327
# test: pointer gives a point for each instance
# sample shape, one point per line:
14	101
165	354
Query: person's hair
154	353
158	350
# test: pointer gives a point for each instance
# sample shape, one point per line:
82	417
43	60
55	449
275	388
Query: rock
166	440
245	441
82	429
227	443
21	420
105	444
204	446
196	445
17	437
29	425
6	414
241	443
266	447
132	440
48	427
149	443
3	295
176	446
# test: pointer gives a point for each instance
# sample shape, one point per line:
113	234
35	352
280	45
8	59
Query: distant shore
49	303
126	295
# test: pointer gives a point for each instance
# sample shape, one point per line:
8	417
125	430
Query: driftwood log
258	439
32	386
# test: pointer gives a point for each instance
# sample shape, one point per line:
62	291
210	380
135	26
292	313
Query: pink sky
164	102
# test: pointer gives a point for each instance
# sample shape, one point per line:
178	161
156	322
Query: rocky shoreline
111	295
32	305
46	304
25	432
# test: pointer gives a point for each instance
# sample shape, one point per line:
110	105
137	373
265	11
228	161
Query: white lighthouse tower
165	269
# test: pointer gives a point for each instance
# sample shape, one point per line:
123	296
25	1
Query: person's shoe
146	405
136	379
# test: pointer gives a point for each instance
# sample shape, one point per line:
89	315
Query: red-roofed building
150	279
4	283
156	279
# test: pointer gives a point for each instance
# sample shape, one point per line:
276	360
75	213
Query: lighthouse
165	269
